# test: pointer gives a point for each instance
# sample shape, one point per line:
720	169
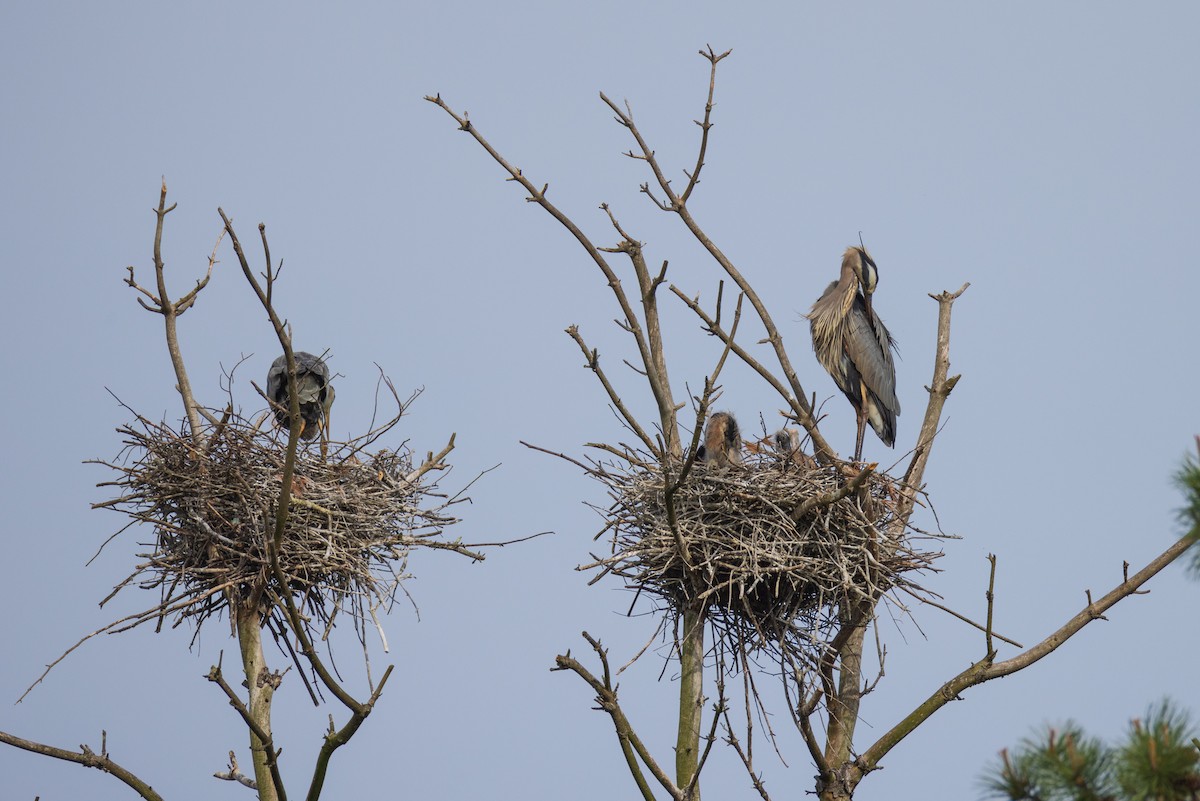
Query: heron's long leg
862	429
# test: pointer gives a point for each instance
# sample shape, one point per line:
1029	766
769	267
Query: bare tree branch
170	311
713	326
658	381
335	739
234	774
255	724
987	629
678	204
987	669
593	364
939	390
89	759
690	791
744	756
694	177
606	697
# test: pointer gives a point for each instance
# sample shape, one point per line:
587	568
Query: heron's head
864	269
787	440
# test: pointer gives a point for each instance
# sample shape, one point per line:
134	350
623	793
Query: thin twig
694	177
593	363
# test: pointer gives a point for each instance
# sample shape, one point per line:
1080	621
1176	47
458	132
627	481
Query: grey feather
313	391
854	346
869	347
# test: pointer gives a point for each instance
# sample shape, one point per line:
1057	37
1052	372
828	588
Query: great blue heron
854	345
722	444
313	389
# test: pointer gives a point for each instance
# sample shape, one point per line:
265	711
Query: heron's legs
862	429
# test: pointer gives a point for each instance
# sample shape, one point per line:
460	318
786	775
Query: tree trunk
843	717
260	692
691	700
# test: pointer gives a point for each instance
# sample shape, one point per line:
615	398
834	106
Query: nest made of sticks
352	520
772	548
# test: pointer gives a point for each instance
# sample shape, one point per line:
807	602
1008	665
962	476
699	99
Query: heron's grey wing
311	377
870	349
321	370
277	379
308	363
305	361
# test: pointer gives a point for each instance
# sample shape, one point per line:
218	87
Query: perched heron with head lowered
854	345
313	390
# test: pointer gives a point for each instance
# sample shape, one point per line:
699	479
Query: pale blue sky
1044	152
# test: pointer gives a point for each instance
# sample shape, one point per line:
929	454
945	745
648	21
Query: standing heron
854	345
313	389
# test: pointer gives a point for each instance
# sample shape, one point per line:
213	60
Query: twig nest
351	522
771	548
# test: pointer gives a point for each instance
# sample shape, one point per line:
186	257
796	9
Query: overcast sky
1044	152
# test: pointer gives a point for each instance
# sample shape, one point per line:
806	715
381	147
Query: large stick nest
772	549
352	520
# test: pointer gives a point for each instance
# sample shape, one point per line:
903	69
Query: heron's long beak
870	311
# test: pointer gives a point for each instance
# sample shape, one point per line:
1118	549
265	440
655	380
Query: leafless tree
808	519
280	539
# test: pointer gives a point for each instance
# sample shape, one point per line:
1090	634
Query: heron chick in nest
722	444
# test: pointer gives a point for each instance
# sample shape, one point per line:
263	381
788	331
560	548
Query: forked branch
987	668
216	676
706	125
646	337
677	203
631	745
170	310
89	759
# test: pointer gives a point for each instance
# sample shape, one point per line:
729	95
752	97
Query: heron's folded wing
870	349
